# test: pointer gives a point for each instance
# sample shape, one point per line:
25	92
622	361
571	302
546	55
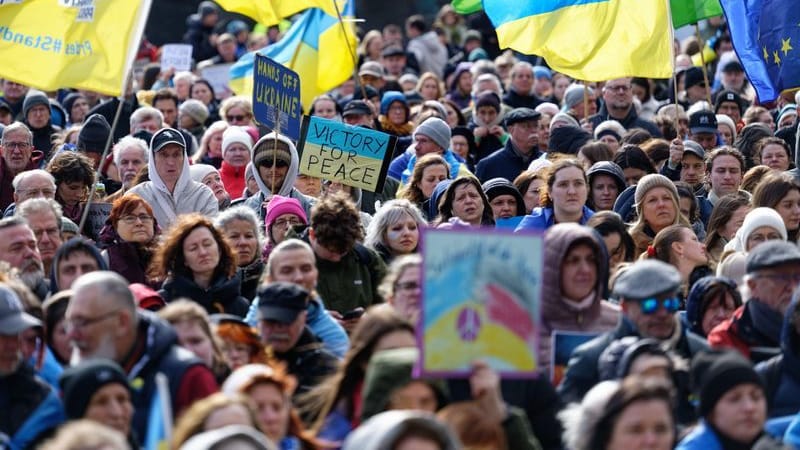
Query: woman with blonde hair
395	229
210	148
430	87
192	325
213	412
657	207
428	172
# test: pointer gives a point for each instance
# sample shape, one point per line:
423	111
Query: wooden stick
703	61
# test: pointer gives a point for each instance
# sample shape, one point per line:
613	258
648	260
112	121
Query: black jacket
308	361
224	295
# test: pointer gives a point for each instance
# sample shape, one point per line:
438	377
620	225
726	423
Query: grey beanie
574	95
436	129
33	98
651	181
194	109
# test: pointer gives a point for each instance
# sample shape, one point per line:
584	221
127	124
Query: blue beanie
433	202
390	97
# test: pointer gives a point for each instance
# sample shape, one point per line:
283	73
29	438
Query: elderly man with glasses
618	105
102	321
648	295
19	155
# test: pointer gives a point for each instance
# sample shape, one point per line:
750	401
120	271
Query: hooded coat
287	188
187	197
67	248
558	313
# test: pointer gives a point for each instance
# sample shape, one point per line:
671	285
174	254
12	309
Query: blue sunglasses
651	305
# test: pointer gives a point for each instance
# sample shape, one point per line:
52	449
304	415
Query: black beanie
568	139
714	373
94	134
80	383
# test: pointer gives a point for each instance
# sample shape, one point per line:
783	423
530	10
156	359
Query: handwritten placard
276	96
176	56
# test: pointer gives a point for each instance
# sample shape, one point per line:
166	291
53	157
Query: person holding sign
276	163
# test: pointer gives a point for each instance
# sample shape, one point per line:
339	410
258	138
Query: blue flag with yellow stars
766	37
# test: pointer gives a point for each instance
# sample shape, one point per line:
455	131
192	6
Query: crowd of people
224	297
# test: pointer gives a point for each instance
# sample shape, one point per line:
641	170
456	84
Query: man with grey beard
30	407
19	249
103	322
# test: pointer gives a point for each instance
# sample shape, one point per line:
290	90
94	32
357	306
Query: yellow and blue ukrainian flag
766	37
88	45
592	40
316	46
270	12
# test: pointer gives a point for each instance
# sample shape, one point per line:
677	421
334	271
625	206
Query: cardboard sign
276	97
98	213
218	76
176	56
355	156
562	345
481	297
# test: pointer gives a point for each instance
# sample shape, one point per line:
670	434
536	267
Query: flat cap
772	254
646	278
517	115
694	148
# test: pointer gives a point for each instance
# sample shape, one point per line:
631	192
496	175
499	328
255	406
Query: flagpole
106	149
703	61
677	119
350	50
586	101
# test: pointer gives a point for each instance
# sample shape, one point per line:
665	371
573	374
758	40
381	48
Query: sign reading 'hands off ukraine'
87	44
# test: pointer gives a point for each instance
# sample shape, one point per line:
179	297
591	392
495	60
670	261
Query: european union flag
766	37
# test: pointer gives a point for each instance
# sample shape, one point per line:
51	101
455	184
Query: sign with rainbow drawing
480	301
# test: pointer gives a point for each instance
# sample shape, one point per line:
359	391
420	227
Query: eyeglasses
33	192
130	220
268	163
651	305
622	88
785	278
17	145
407	286
80	324
237	118
283	223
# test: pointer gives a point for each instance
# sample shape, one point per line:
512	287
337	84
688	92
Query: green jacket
351	282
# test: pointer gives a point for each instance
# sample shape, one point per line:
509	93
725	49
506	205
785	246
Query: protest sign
355	156
218	76
481	297
176	56
563	343
98	213
276	97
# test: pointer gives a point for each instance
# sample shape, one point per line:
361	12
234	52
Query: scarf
404	129
448	156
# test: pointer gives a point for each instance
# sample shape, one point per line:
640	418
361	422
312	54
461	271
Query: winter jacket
559	314
156	350
504	163
543	218
516	100
781	373
319	321
402	167
351	282
582	372
431	54
705	437
43	139
754	330
129	259
223	296
31	409
250	275
187	197
308	362
233	179
198	36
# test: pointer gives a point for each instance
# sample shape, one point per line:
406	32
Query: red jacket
741	333
233	179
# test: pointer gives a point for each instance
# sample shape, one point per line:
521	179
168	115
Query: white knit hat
234	134
756	218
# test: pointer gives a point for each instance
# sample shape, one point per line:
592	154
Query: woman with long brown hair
196	262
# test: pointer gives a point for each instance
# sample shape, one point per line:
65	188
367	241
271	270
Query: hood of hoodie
291	175
184	180
558	240
384	430
69	247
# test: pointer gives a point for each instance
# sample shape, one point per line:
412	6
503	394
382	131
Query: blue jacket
503	163
544	218
31	406
399	164
321	324
701	438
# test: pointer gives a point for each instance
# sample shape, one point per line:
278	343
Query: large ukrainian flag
270	12
316	47
591	40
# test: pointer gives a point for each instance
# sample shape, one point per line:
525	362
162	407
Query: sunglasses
651	305
268	164
232	118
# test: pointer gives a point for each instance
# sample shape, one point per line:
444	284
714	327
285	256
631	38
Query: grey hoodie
187	197
430	53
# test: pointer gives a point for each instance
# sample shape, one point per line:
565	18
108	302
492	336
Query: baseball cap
13	318
166	136
281	302
703	122
356	107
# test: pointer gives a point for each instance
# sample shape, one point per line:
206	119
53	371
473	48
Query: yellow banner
86	44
